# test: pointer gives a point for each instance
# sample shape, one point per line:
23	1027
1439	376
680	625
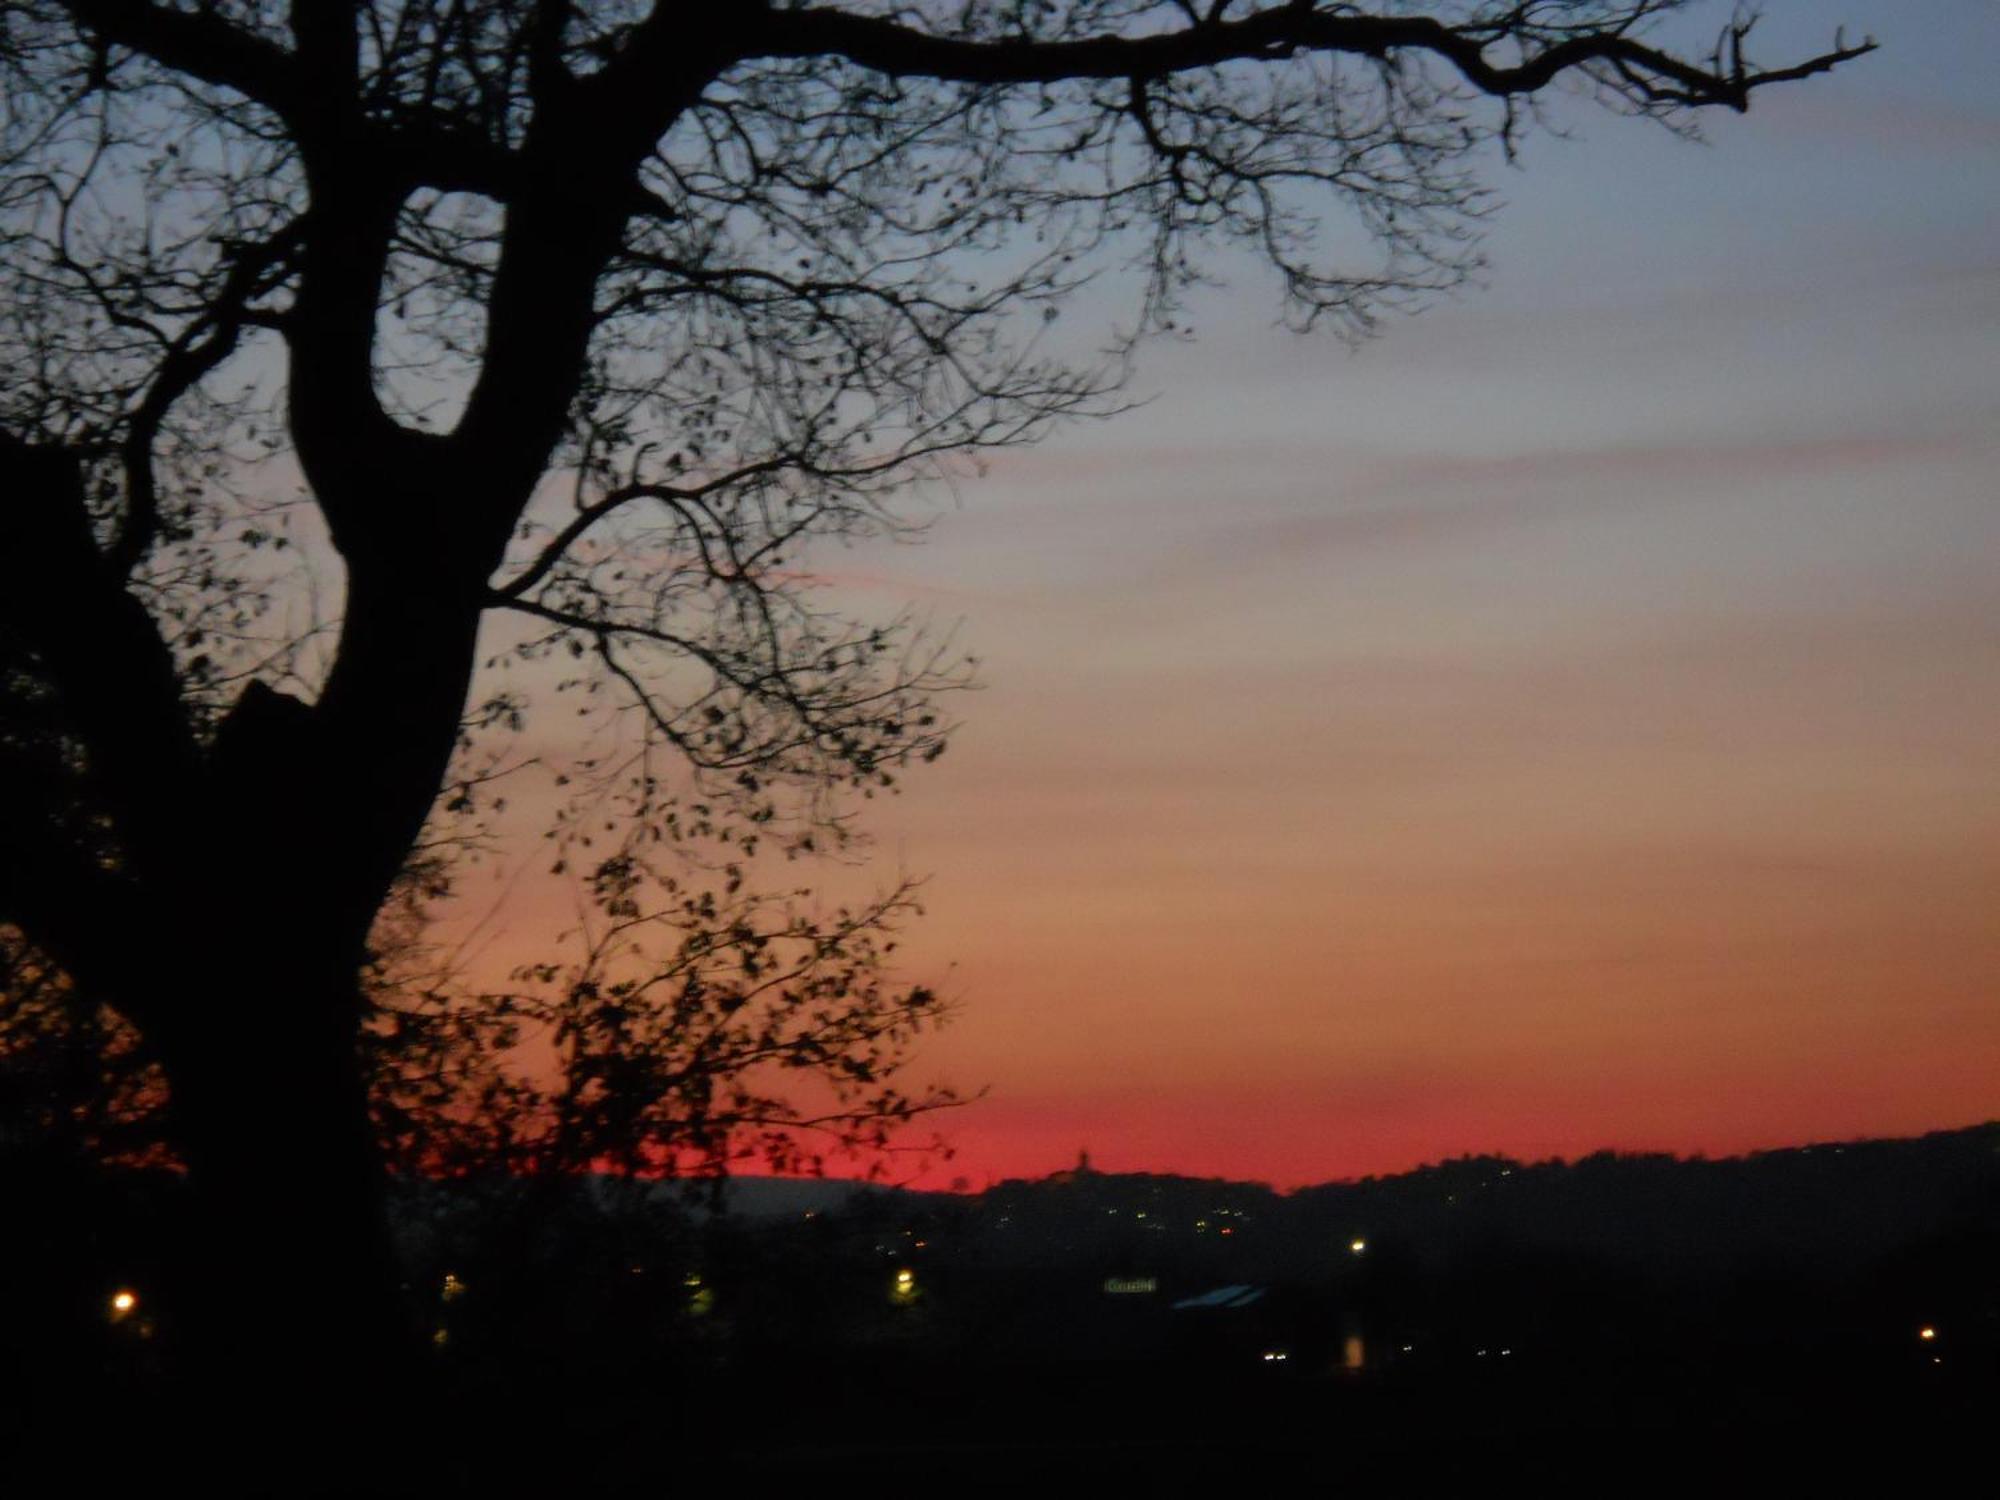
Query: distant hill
1828	1209
779	1197
1846	1198
1834	1205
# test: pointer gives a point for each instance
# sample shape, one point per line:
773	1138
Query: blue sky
1569	720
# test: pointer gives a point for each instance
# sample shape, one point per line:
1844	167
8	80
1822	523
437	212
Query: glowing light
123	1302
1357	1246
453	1287
1927	1333
905	1285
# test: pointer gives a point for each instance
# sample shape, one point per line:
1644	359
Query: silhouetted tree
358	348
702	1022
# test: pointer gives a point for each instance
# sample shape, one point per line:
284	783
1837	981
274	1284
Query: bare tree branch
200	45
1281	32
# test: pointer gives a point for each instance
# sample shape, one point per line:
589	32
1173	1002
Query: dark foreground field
1819	1321
1330	1433
1182	1431
908	1428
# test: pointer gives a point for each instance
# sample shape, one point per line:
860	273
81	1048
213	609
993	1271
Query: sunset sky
1570	721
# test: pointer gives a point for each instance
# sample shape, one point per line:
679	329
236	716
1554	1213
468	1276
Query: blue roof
1238	1295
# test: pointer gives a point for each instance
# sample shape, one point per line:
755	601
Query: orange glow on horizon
1569	725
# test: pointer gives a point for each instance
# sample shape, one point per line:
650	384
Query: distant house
1276	1328
1080	1173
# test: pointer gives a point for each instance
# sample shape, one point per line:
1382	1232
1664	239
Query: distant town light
123	1301
1927	1333
905	1286
1357	1246
453	1287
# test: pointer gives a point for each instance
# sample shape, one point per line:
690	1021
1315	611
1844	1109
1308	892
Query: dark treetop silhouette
735	273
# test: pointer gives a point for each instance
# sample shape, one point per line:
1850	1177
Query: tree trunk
293	1274
296	1317
290	1320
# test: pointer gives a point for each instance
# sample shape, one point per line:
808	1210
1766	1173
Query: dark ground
1114	1428
1650	1327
